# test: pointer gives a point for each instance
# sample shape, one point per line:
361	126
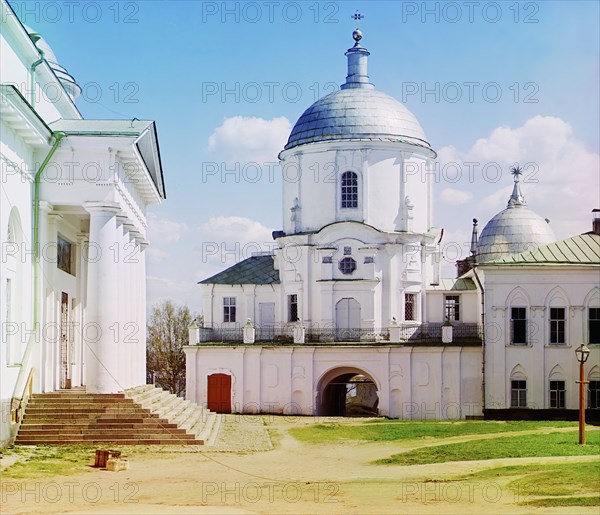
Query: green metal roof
450	284
581	249
254	270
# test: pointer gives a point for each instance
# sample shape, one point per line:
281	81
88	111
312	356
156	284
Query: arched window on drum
349	191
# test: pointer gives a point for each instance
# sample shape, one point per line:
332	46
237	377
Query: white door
266	318
347	319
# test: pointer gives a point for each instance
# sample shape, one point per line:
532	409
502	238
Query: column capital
45	206
102	207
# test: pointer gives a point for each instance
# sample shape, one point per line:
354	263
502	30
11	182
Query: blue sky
499	82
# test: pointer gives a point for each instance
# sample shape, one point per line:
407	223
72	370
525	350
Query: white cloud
560	180
454	197
243	139
162	230
226	240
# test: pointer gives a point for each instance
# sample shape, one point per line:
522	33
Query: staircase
76	417
196	420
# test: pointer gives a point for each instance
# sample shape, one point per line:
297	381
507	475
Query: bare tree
167	333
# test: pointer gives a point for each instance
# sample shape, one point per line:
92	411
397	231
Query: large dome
357	114
513	230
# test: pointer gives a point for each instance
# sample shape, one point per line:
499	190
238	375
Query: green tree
167	333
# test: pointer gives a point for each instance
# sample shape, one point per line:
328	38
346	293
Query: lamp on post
582	353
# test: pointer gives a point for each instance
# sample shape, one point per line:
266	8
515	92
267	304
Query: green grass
522	446
48	460
548	479
394	430
563	501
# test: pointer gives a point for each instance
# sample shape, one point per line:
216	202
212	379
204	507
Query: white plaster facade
72	225
538	359
358	250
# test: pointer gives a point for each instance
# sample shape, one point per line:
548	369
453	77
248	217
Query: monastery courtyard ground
265	464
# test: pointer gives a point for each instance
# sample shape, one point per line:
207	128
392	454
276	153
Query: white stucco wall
537	288
412	382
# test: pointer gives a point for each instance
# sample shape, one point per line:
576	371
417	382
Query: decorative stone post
394	331
299	332
447	332
249	332
194	334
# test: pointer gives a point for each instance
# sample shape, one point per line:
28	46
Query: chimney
596	221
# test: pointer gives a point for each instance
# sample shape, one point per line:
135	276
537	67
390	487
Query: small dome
357	114
65	78
514	230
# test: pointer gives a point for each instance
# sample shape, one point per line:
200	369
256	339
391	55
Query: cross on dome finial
357	17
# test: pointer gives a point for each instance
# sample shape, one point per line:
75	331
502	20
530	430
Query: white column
51	315
82	245
102	308
141	315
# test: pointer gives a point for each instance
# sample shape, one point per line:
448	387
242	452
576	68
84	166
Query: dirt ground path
251	471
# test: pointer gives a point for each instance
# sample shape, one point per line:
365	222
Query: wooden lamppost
582	353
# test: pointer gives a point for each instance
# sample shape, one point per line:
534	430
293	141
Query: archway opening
349	394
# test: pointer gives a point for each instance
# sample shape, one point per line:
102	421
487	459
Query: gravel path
241	433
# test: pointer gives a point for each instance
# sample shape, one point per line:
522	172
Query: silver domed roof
514	230
357	114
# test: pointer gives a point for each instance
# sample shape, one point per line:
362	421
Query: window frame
413	307
349	190
293	307
557	393
513	322
61	244
557	327
229	310
596	321
594	394
521	393
452	308
342	265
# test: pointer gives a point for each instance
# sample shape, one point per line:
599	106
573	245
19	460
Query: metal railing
282	334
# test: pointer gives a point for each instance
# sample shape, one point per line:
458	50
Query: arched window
349	190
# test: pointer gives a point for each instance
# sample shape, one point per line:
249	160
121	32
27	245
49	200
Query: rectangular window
368	260
518	394
594	395
452	307
327	259
410	306
518	326
64	255
228	309
557	394
292	308
594	325
557	325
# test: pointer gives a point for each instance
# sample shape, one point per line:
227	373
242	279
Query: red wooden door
219	393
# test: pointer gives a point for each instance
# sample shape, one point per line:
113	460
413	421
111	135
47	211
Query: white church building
74	194
349	315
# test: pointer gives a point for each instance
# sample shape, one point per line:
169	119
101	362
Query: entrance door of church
266	324
347	320
65	379
219	393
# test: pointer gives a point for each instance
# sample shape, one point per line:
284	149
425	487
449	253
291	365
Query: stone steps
195	419
74	417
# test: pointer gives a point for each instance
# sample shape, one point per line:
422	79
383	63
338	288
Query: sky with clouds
492	84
